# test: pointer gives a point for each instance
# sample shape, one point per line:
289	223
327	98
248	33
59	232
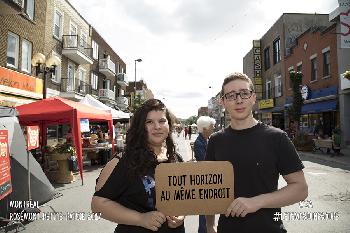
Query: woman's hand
175	221
152	220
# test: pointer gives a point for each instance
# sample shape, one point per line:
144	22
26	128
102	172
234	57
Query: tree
295	109
191	120
138	101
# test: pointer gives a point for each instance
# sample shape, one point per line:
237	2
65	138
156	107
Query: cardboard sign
194	188
5	175
32	137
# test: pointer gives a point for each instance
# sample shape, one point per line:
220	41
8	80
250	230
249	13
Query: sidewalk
343	161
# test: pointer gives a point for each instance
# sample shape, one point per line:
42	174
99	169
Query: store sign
305	92
267	103
14	79
344	9
257	68
32	137
204	187
84	125
5	175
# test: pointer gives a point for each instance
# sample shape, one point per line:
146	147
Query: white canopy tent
91	101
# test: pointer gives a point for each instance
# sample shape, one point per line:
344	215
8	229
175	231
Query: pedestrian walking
205	127
189	132
125	189
186	132
259	154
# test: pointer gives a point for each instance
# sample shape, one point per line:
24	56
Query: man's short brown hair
235	76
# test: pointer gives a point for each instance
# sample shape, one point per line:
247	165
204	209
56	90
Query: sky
187	47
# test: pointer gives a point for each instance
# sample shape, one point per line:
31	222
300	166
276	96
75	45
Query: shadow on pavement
325	159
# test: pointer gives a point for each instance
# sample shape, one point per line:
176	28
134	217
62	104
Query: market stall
56	110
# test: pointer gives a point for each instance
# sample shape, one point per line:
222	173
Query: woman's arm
115	212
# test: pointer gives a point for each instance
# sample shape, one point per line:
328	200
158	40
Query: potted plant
62	152
303	142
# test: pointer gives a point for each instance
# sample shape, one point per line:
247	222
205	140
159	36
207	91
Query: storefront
320	111
270	114
18	88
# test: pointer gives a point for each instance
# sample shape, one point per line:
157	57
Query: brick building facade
21	35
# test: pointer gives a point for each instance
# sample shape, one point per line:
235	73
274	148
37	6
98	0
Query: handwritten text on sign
194	188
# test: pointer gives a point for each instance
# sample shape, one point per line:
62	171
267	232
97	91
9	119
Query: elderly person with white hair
205	127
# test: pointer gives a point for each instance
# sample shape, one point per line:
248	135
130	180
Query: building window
82	85
19	2
26	64
278	86
94	80
57	31
326	64
314	69
267	58
276	51
83	40
107	84
29	8
94	50
268	90
12	50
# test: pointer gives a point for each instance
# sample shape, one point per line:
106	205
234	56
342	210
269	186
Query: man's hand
211	230
152	220
175	221
242	206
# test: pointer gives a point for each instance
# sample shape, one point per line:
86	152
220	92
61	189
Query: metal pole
44	85
28	167
135	85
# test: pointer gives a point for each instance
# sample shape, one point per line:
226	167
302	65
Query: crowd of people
259	153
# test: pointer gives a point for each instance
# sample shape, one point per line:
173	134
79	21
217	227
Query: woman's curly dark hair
139	156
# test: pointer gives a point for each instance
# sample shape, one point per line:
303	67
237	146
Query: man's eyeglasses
244	94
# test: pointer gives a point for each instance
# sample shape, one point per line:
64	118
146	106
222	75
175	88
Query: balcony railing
106	94
122	79
75	86
107	67
122	102
76	50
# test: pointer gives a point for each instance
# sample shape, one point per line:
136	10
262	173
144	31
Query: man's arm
295	190
210	219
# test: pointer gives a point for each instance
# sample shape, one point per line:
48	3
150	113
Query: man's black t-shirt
137	193
258	155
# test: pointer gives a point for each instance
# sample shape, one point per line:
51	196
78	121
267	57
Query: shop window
26	56
326	64
314	69
276	51
267	58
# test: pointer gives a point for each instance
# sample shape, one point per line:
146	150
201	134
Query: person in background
336	138
189	132
259	154
205	127
186	132
125	190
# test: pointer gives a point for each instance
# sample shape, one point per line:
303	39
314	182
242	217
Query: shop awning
324	106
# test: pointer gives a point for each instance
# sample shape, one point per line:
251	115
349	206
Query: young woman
125	189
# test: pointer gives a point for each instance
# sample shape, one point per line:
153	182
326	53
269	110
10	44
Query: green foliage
138	101
303	142
191	120
295	110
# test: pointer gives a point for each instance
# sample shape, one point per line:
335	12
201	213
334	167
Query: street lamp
43	65
137	60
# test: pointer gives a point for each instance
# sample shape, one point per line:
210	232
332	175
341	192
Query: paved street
328	179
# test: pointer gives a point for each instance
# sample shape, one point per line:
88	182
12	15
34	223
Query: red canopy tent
56	110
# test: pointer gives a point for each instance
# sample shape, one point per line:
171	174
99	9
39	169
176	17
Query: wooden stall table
63	175
93	152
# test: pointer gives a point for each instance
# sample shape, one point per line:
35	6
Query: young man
205	127
259	154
